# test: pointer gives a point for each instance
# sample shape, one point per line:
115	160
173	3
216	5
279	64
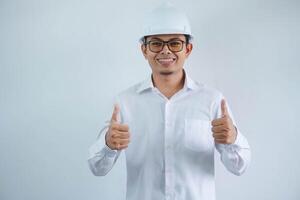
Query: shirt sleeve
101	158
235	157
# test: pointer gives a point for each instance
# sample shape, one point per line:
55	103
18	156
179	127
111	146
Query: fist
117	136
224	131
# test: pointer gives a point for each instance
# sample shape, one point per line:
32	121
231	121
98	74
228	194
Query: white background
62	62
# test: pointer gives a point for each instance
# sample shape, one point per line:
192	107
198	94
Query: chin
166	73
168	70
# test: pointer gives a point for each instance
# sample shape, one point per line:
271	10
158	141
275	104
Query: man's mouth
166	61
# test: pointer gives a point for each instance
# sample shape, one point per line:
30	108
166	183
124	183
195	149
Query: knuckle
127	135
125	142
113	126
117	127
114	135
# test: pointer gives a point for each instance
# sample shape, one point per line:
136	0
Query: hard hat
166	19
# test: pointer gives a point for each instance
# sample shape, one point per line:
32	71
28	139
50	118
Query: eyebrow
155	38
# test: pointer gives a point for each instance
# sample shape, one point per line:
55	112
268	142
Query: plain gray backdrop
62	62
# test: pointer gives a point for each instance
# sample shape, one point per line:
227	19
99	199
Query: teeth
166	59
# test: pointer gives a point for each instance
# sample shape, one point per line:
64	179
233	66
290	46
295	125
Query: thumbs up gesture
224	131
117	136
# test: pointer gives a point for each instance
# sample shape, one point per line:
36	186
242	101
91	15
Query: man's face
166	61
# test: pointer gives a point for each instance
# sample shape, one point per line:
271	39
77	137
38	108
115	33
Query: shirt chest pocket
198	135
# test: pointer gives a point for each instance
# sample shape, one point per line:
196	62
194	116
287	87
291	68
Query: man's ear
189	48
144	50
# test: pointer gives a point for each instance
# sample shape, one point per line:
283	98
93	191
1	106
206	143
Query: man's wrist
235	134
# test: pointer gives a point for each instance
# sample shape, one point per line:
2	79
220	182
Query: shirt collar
148	84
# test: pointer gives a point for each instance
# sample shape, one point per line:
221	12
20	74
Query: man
169	125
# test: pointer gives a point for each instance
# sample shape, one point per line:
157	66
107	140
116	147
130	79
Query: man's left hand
224	131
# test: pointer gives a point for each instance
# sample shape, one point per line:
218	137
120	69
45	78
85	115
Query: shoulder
131	91
208	92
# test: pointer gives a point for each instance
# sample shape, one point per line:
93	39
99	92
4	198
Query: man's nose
165	50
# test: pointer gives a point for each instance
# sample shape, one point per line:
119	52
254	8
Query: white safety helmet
166	19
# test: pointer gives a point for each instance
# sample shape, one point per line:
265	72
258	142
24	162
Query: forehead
167	37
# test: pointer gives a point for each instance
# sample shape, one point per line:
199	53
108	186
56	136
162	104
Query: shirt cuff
238	137
109	152
239	143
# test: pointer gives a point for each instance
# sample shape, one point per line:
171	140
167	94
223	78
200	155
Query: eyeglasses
157	45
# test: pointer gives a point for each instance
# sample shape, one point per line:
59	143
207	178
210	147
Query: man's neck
168	85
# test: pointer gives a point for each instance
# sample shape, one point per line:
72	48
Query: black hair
187	38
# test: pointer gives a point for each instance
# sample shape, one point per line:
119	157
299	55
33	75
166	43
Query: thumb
116	114
224	108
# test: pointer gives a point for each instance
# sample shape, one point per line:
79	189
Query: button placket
168	151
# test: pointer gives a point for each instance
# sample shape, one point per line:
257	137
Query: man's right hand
117	136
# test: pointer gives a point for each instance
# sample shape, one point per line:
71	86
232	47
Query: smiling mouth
166	61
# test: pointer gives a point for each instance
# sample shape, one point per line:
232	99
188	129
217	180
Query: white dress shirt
171	151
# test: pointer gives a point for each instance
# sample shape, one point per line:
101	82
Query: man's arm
101	157
230	143
105	152
235	157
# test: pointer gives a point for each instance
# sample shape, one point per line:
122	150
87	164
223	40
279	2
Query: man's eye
175	43
157	44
